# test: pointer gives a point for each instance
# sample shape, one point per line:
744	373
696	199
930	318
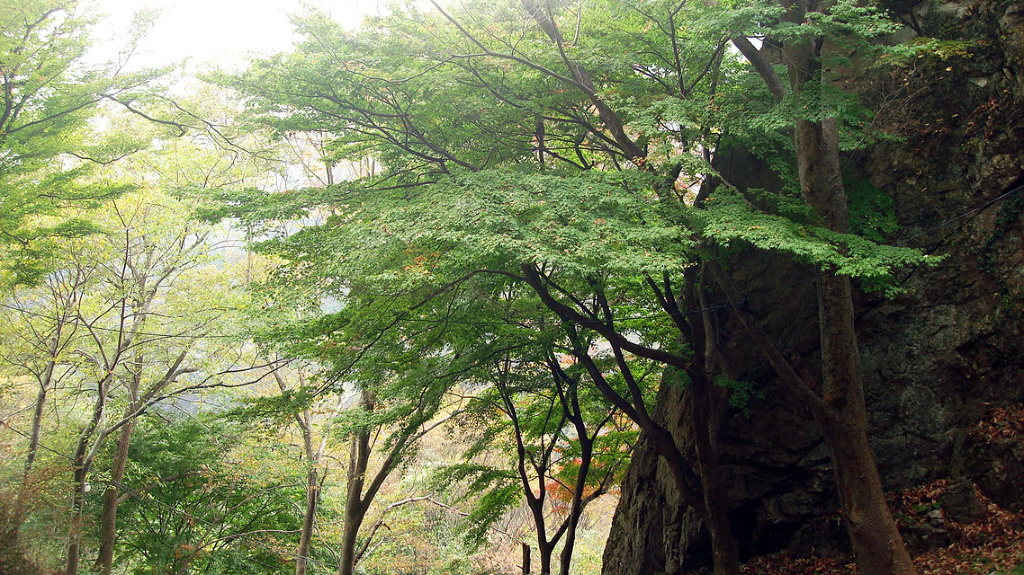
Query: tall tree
116	330
40	333
140	344
465	111
808	32
389	394
48	93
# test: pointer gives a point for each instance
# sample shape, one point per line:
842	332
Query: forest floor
952	529
992	544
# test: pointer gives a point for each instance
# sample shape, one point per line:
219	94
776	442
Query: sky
218	32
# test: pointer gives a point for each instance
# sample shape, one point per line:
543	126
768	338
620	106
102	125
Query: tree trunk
37	425
576	511
18	509
304	420
876	541
546	551
355	506
108	515
353	520
45	382
545	548
308	521
565	556
724	549
81	463
875	538
358	501
75	532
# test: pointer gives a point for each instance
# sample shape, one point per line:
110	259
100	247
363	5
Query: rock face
936	360
994	453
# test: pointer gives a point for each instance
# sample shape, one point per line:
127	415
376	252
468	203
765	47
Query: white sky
219	32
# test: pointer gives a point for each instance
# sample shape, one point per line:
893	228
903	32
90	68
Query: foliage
134	314
204	500
499	147
49	147
730	218
872	212
519	170
741	393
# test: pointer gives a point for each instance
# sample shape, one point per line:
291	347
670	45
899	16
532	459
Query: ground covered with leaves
990	545
953	527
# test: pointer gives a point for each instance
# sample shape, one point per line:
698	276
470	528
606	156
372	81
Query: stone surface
820	537
934	359
996	464
926	535
960	503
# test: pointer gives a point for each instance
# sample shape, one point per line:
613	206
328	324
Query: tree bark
576	511
355	503
81	464
354	516
546	551
876	540
724	548
75	532
355	511
579	500
20	502
308	521
705	420
111	501
37	425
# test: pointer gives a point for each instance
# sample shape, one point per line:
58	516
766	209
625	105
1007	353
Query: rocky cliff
938	359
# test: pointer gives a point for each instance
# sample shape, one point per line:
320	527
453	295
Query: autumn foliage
990	545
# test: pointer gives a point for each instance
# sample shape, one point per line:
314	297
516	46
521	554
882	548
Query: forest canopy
411	297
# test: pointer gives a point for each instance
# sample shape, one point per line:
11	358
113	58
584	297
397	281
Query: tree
393	115
498	191
48	147
314	448
839	408
40	331
560	434
201	496
175	250
389	395
143	267
120	327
